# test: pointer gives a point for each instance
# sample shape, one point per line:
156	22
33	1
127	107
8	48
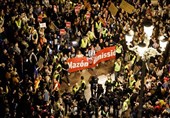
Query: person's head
66	46
106	44
16	44
66	90
65	62
101	40
97	44
76	84
111	40
55	35
79	52
72	49
83	22
118	60
82	77
5	51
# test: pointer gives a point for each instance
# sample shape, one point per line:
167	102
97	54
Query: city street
101	71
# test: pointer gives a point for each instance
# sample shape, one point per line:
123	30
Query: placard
154	2
113	9
68	24
53	26
62	31
43	25
127	7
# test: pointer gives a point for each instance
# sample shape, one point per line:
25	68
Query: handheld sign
113	9
62	31
68	24
43	25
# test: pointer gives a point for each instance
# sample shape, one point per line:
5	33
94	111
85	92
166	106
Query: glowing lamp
163	43
128	39
148	30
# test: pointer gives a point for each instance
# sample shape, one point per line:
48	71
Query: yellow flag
127	7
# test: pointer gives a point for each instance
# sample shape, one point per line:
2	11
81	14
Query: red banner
76	64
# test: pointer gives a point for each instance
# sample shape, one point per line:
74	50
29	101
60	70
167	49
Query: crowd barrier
76	64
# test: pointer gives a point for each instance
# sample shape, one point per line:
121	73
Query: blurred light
141	48
128	39
163	43
148	30
161	37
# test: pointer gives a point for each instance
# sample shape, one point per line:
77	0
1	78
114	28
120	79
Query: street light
163	43
141	49
148	31
129	37
145	53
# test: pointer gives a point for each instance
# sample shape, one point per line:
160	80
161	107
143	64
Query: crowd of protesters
33	59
